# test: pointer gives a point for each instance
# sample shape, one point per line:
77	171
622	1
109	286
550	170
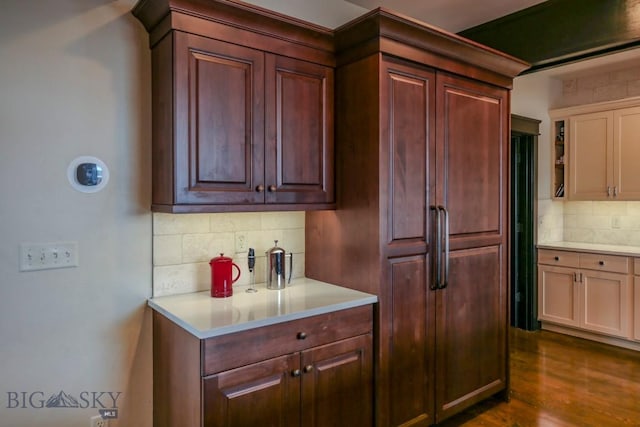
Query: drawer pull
308	369
296	373
601	262
557	258
301	335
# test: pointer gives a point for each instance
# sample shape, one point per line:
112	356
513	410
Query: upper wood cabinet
242	110
603	151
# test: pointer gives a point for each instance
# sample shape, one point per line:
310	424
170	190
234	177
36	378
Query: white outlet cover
73	180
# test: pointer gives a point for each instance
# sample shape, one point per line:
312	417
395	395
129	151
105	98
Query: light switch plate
45	256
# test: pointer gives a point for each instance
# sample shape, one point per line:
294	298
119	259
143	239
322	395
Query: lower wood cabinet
315	371
317	387
592	292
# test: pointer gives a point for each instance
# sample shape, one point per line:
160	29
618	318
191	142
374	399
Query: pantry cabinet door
472	181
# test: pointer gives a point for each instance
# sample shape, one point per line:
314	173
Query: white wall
531	97
74	80
327	13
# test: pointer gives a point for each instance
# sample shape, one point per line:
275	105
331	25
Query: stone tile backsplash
605	86
184	244
550	221
611	223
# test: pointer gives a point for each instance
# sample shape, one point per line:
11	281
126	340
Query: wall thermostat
88	174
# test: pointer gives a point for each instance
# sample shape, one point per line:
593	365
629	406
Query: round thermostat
88	174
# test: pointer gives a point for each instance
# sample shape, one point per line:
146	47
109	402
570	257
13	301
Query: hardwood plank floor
562	381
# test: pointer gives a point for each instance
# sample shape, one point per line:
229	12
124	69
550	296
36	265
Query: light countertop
205	317
593	247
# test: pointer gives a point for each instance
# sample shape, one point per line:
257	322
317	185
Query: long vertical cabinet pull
435	283
444	254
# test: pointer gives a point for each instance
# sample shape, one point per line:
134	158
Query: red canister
221	276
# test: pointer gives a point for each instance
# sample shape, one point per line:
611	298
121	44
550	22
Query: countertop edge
223	330
631	251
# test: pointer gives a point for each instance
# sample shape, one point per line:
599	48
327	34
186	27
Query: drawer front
254	345
559	258
611	263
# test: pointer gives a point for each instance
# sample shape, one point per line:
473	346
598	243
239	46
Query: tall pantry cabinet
422	133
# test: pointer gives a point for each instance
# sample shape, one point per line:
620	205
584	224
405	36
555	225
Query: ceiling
451	15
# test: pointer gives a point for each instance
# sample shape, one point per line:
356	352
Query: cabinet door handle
272	188
301	335
615	191
308	369
296	373
445	256
260	188
608	191
437	253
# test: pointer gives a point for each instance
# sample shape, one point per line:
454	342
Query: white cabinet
626	154
600	150
588	291
636	299
605	302
591	153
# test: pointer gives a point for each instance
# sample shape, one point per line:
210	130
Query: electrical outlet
615	222
44	256
98	421
242	242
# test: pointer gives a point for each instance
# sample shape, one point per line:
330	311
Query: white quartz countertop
205	317
593	247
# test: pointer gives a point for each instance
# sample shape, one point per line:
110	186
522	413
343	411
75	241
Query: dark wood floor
561	381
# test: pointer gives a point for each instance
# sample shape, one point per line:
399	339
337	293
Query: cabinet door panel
471	323
411	110
636	306
262	394
219	113
626	153
337	384
590	154
558	300
411	345
606	303
472	151
299	139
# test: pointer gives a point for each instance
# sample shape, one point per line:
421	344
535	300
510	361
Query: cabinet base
618	342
